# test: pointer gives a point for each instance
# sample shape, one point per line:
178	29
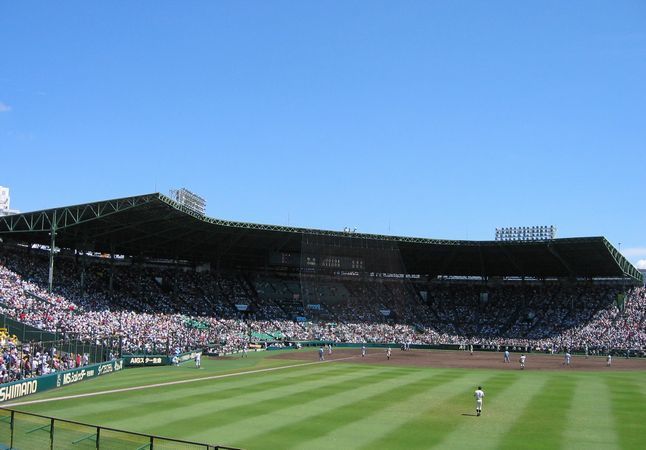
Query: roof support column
82	280
52	244
83	272
110	284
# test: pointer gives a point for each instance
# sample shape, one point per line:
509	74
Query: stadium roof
155	226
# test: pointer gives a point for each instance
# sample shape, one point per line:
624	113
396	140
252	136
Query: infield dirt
462	359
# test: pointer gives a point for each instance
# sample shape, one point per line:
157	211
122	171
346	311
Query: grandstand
156	227
148	280
159	275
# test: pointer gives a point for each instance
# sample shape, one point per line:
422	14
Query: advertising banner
18	389
146	360
157	360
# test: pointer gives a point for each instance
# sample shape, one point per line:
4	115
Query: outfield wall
157	360
22	388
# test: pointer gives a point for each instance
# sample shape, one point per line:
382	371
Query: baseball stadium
141	323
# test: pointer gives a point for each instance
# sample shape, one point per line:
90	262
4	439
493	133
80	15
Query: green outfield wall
22	388
157	360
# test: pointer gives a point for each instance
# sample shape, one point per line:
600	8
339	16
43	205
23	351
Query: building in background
5	202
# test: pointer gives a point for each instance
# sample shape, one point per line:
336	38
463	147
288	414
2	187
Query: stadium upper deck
155	226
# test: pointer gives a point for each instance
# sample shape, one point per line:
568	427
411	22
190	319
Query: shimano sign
17	389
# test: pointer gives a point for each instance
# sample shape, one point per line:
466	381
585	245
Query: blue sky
425	118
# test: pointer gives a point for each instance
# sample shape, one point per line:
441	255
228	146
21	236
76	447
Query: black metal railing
22	430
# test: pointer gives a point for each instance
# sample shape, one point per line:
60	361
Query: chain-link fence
26	333
97	350
21	430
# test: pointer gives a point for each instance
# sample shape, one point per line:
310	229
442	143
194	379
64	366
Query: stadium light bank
535	233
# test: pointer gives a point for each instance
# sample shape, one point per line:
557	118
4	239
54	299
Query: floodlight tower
190	200
535	233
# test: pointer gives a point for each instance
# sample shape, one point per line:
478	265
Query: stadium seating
154	307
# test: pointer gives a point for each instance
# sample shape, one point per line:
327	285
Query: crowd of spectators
156	309
21	360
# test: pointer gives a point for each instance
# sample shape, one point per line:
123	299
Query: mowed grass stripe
589	424
213	415
217	403
373	426
545	418
637	378
139	376
144	401
435	416
177	382
628	409
302	433
505	400
259	427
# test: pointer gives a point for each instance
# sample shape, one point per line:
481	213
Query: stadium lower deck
165	307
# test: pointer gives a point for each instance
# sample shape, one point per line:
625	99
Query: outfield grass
344	406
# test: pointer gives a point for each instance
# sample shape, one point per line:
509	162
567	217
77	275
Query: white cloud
4	107
634	251
636	255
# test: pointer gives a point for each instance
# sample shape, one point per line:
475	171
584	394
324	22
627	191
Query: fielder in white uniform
363	350
609	360
568	359
506	357
522	361
388	353
479	395
198	360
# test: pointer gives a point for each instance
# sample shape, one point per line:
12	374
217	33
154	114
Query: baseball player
568	359
479	395
506	356
198	360
329	349
321	357
471	349
363	351
609	360
522	361
388	353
